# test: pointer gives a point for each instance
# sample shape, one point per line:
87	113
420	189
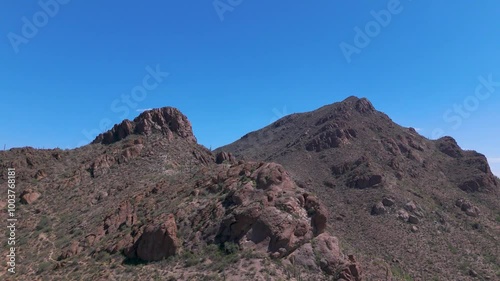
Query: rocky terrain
408	207
144	201
340	193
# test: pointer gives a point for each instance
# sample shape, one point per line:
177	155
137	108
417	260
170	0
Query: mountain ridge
355	157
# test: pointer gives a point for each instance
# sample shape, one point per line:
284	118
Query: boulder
29	196
388	202
225	157
378	209
410	206
467	207
413	219
403	215
157	241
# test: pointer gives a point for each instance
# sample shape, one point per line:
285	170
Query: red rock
29	196
158	242
168	121
224	157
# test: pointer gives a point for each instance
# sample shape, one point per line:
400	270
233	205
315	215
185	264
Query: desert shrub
44	266
43	224
231	248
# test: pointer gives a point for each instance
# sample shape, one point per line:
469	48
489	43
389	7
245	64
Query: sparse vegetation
400	275
72	231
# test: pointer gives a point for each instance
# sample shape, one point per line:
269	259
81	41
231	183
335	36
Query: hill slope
144	201
428	209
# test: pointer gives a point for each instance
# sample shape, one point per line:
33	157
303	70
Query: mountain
144	201
422	209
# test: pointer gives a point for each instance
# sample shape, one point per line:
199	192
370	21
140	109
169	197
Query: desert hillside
426	208
144	201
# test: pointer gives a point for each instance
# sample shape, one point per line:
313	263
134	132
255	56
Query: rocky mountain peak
362	105
167	120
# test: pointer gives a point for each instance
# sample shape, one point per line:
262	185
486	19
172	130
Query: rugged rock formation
156	242
168	121
224	157
352	156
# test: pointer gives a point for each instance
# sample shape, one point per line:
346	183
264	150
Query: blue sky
233	66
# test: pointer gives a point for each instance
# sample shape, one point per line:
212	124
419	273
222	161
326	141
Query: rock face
262	210
269	212
224	157
449	146
168	121
157	242
323	253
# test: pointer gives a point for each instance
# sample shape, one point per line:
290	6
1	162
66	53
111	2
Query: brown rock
124	215
224	157
101	165
29	196
378	209
327	248
365	181
449	146
304	256
40	174
158	242
168	121
410	206
413	219
403	215
352	271
467	207
388	202
318	213
72	250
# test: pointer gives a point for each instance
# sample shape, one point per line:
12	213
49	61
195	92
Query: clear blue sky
234	70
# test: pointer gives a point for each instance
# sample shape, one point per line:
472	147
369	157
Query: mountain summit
166	120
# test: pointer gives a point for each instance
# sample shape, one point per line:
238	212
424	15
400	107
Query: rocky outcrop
269	212
467	207
363	105
478	183
101	165
72	250
29	196
225	157
449	146
40	175
167	120
362	181
262	210
156	242
331	138
323	253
